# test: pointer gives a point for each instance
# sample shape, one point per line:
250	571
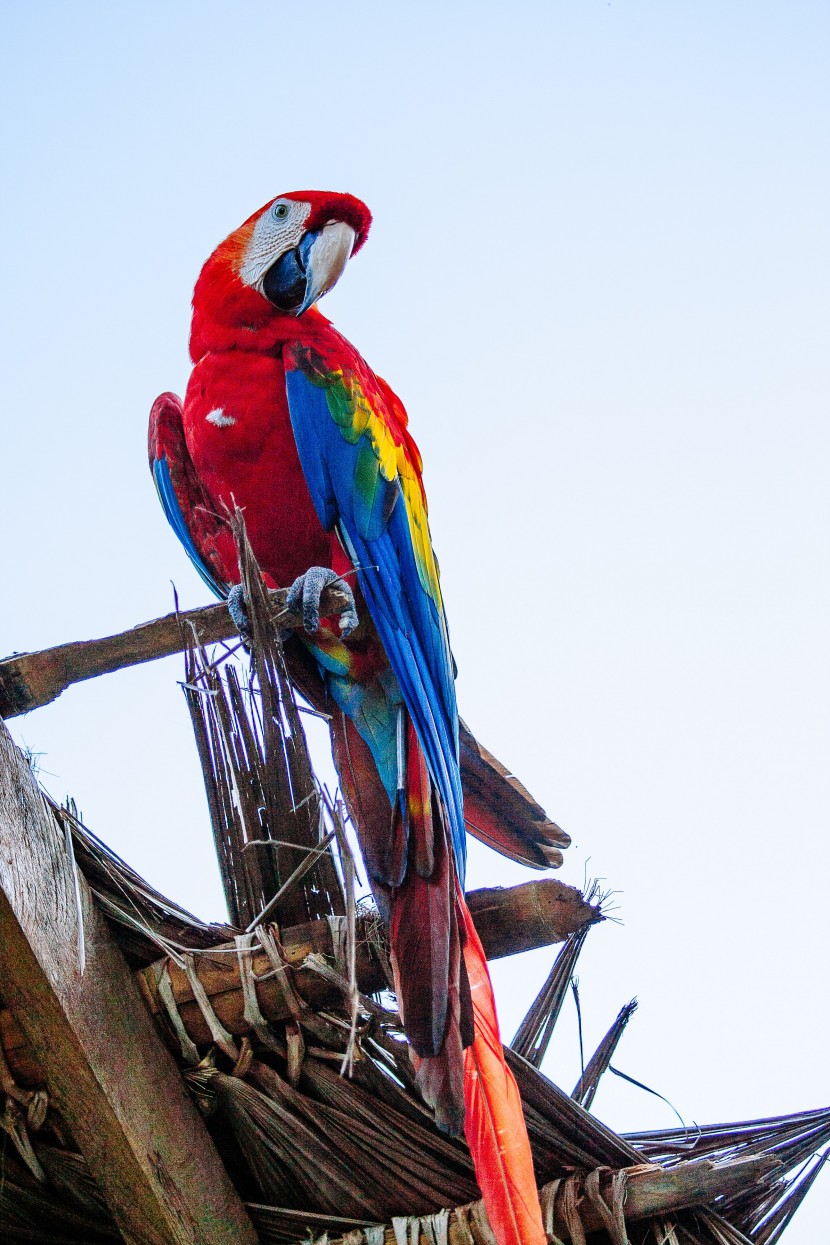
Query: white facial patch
272	237
220	419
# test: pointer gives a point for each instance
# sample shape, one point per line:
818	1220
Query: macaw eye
280	210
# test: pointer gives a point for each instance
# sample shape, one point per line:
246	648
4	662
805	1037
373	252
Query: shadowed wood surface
106	1070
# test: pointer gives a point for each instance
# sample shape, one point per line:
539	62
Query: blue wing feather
173	511
378	538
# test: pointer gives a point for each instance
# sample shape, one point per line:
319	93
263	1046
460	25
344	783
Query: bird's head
296	247
283	258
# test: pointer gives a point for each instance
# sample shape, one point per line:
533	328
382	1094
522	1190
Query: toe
304	599
238	612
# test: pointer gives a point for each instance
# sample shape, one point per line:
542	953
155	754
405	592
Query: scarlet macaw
283	418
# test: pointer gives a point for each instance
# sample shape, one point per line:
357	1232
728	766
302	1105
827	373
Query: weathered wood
534	914
30	680
107	1072
650	1191
658	1191
509	919
549	909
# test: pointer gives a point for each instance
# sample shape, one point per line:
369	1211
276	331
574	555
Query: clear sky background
598	278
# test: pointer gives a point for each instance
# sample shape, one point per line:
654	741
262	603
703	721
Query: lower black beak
284	284
301	276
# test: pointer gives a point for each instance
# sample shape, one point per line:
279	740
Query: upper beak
326	258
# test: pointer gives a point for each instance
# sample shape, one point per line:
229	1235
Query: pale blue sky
598	279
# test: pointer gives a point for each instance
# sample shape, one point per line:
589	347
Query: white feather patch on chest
220	419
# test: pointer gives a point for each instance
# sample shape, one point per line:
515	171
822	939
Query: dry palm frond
769	1226
444	1163
310	1155
711	1226
264	803
404	1170
765	1210
291	1162
534	1033
791	1138
563	1135
144	919
277	1226
59	1212
337	1150
762	1212
586	1087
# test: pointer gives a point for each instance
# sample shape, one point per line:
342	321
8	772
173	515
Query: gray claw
304	597
239	614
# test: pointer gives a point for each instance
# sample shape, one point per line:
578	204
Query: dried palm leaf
50	1214
144	919
585	1089
534	1033
278	1226
262	795
380	1150
791	1138
769	1229
445	1162
292	1162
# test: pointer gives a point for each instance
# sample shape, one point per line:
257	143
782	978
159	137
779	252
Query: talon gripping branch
283	418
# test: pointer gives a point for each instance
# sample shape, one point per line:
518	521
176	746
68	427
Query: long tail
494	1123
451	1011
442	983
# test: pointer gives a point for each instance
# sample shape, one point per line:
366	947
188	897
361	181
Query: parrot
283	418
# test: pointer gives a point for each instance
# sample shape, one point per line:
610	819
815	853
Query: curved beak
325	260
308	271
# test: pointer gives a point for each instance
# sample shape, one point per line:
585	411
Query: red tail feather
382	835
420	937
441	1077
494	1124
419	805
430	931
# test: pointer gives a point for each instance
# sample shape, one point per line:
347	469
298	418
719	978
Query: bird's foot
239	614
304	598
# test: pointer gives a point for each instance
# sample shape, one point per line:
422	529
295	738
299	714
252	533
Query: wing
187	506
363	471
502	813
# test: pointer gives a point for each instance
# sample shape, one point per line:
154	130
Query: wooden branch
512	919
659	1191
650	1191
30	680
491	793
106	1070
508	920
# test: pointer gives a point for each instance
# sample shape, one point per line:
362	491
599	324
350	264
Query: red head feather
328	205
223	302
